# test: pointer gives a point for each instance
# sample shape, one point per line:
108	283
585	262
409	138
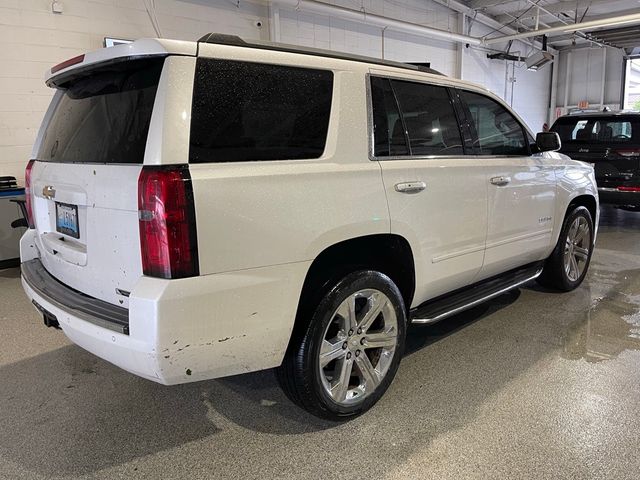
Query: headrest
583	134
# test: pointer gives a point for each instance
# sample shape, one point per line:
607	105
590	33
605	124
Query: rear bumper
80	305
183	330
131	354
613	196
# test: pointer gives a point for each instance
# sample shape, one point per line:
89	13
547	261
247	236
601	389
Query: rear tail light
27	193
167	222
629	189
629	152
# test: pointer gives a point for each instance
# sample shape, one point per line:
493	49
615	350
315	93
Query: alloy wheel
577	247
358	346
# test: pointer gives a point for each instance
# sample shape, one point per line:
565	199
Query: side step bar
445	306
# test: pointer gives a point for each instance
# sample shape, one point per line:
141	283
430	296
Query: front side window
499	133
251	111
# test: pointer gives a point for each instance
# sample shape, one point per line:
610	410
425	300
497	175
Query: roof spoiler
140	48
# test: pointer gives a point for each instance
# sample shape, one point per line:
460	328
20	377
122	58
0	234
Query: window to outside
429	117
499	133
103	115
389	136
250	111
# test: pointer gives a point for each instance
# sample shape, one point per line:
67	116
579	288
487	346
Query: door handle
410	187
500	181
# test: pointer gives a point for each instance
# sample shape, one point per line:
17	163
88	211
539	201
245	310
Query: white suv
202	209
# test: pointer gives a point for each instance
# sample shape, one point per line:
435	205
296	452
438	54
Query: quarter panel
256	214
253	214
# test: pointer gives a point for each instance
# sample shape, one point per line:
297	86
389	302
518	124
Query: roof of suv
159	46
234	40
153	46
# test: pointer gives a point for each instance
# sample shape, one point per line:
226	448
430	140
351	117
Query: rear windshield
251	111
103	116
596	130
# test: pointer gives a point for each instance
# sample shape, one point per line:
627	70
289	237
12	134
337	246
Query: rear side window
388	127
597	130
251	111
412	118
103	115
498	132
429	118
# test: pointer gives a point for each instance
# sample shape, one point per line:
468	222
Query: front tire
349	352
567	265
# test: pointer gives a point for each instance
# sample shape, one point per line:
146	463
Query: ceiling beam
480	4
619	31
486	20
601	16
555	9
632	19
619	37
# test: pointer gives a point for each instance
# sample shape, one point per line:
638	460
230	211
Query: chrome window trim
369	100
370	132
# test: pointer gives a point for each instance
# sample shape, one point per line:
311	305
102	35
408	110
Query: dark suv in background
611	142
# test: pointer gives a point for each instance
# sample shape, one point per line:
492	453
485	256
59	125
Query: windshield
598	130
103	116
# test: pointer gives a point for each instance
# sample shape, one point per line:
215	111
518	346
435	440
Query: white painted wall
322	31
530	91
32	39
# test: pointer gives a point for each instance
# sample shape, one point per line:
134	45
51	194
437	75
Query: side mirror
548	142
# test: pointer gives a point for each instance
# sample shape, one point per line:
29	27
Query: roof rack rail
234	40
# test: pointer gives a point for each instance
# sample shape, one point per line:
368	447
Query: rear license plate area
67	219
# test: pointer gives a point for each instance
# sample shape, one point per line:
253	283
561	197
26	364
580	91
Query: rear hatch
84	180
610	142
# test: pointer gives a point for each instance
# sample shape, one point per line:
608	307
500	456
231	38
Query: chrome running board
445	306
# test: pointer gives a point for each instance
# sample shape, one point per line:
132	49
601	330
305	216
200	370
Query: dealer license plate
67	219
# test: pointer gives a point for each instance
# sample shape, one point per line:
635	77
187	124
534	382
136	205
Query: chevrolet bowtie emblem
48	192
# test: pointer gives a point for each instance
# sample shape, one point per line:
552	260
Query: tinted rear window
389	133
103	115
413	119
428	114
594	130
251	111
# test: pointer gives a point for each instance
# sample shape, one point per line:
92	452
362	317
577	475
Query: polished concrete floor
532	385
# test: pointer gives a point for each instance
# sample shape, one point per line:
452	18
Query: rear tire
568	264
348	354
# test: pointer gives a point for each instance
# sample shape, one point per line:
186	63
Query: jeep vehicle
611	142
203	209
